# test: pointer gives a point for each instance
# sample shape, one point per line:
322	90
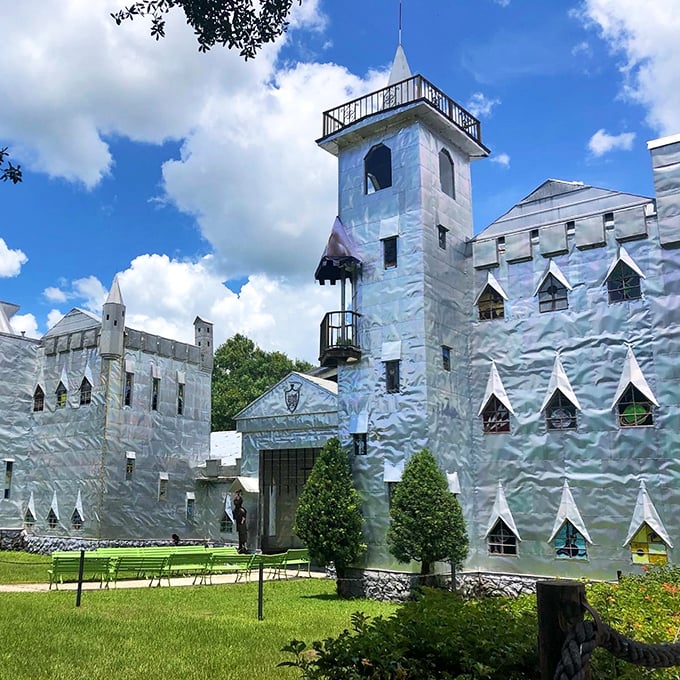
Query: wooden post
559	609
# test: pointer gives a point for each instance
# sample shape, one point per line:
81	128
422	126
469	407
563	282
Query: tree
7	170
329	518
241	373
427	522
245	25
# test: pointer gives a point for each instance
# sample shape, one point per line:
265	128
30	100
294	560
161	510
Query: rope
582	640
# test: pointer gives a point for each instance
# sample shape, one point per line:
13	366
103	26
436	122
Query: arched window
61	395
446	174
501	540
623	284
570	543
552	295
560	413
377	169
85	392
38	399
495	416
490	305
634	409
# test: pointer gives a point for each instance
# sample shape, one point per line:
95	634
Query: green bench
185	563
231	562
66	567
297	558
138	566
272	564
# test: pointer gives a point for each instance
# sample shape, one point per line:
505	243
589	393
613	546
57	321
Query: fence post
81	568
260	586
559	609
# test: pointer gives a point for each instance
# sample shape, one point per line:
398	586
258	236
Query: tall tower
113	324
203	338
400	340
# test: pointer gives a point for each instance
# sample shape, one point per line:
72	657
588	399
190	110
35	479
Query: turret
113	324
203	333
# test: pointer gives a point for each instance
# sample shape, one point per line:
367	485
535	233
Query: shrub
427	521
328	518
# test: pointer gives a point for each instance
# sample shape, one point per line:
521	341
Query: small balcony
339	341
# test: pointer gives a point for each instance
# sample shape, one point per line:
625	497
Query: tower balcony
412	91
339	338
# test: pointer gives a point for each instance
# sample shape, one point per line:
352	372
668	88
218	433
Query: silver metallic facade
112	462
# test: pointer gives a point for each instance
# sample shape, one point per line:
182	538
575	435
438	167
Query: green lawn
208	632
21	567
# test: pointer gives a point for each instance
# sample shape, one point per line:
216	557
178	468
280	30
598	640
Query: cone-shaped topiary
328	518
427	522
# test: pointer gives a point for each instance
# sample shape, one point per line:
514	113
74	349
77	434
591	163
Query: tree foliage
245	25
427	522
329	518
8	171
242	372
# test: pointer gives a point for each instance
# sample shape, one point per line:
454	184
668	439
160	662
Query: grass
160	633
21	567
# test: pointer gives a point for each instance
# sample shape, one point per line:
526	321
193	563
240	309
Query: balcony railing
339	338
408	91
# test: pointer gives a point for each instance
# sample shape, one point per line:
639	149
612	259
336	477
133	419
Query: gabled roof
551	188
569	511
494	387
76	320
645	513
501	510
559	381
493	283
632	375
557	273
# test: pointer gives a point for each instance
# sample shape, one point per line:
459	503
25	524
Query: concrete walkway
217	579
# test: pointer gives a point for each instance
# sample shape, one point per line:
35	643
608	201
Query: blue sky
196	177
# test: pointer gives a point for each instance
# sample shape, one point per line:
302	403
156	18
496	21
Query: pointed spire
569	511
31	506
54	506
501	510
645	513
115	296
400	68
79	506
339	257
559	381
494	387
632	375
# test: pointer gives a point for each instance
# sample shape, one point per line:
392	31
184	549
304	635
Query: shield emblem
293	396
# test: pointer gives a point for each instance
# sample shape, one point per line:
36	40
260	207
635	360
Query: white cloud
25	323
646	33
502	159
10	260
582	50
602	142
502	3
480	106
55	294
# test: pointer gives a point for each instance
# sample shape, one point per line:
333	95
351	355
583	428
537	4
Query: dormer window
501	540
377	169
495	417
38	399
647	547
560	413
446	174
623	284
490	305
634	409
552	295
570	543
85	392
61	395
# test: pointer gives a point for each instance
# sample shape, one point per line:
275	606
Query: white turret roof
400	68
115	296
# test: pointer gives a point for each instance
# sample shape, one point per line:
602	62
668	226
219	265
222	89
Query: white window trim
494	388
569	511
559	381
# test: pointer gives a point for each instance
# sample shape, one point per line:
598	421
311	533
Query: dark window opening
155	389
446	174
9	465
608	220
377	169
76	520
552	295
623	284
29	519
501	541
129	468
392	376
162	489
441	234
446	358
560	413
191	509
495	416
359	442
180	399
490	305
85	392
61	395
52	519
390	252
127	390
38	399
226	525
634	409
